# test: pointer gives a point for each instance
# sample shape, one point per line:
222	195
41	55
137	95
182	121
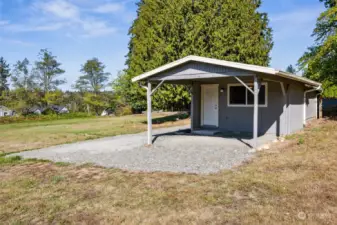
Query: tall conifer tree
167	30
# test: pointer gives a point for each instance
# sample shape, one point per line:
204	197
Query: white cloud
294	23
303	15
16	42
4	22
109	8
96	28
73	20
59	8
32	28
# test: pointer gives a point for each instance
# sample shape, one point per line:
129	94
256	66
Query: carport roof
242	66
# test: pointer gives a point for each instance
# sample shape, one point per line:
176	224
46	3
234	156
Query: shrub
300	141
123	111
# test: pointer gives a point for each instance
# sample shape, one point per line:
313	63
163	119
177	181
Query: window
240	96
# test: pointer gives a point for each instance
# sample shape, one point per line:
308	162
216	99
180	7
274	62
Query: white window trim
246	105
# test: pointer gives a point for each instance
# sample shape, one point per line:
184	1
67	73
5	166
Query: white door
210	105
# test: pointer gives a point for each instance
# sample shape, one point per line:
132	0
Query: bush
123	111
27	118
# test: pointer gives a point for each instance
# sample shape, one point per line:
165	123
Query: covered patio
236	97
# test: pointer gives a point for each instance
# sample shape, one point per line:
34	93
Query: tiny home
236	97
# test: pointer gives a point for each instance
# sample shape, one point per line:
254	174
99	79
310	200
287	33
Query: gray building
236	97
4	111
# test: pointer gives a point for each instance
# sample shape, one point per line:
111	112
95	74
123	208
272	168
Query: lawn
39	134
294	182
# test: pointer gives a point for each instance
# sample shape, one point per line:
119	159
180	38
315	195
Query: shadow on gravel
187	132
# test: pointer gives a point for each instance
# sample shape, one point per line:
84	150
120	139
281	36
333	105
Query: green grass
17	137
9	160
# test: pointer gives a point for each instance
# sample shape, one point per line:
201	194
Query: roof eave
253	68
298	78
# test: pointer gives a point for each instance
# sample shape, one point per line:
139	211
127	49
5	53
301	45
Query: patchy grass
33	135
289	184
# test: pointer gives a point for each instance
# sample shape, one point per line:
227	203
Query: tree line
165	31
37	85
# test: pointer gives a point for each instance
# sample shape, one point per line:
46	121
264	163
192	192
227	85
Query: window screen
237	95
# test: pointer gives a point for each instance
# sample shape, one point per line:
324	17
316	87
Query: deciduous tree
22	76
94	77
319	61
47	70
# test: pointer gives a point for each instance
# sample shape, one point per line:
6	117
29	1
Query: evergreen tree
167	30
291	69
47	70
319	61
4	75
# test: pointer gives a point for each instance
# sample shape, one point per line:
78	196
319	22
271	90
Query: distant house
107	112
47	110
4	111
59	109
35	110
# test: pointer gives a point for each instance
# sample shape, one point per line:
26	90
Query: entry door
210	105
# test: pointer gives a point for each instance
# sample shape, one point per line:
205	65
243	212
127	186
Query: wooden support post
149	114
256	110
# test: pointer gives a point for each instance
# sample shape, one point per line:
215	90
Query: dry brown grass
293	183
34	135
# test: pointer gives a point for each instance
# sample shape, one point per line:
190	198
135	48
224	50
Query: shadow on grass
171	118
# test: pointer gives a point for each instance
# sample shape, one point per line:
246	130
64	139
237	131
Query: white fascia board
242	66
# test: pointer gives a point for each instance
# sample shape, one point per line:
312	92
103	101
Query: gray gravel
170	152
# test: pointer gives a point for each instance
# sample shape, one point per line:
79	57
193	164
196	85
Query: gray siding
311	106
296	98
194	70
241	118
283	115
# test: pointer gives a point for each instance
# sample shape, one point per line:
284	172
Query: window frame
246	105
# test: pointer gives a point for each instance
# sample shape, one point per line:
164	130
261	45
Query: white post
149	114
192	107
256	110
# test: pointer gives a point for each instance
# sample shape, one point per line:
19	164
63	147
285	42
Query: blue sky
77	30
